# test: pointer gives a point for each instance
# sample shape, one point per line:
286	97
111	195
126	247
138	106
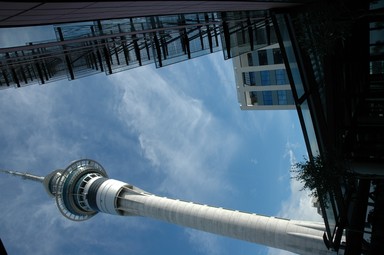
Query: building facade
261	80
339	101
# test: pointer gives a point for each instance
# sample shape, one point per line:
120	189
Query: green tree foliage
319	176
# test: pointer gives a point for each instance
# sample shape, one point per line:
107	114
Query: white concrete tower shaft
296	236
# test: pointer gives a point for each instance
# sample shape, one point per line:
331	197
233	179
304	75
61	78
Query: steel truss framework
111	46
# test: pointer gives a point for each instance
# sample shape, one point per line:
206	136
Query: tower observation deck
83	189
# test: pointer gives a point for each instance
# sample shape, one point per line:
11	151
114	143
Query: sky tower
83	189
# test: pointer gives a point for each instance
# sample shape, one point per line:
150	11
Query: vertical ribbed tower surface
83	189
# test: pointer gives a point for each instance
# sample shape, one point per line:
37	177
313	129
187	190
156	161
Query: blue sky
177	131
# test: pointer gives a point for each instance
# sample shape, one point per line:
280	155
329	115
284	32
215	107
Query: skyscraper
261	80
83	189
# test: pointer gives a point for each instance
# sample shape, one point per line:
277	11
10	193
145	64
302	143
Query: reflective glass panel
292	64
265	78
267	98
314	147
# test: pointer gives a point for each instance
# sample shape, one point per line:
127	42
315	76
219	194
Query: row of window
279	97
261	57
282	97
266	78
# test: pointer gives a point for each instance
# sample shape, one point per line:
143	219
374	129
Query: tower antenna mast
25	175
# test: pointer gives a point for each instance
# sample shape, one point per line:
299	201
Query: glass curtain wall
245	31
110	46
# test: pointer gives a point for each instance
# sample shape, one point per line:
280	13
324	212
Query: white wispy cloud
225	74
177	134
183	141
205	243
29	126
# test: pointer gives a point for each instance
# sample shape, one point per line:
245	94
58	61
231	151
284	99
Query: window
277	58
242	37
245	78
249	78
376	68
272	35
265	78
267	98
282	97
253	97
252	78
250	59
281	77
263	58
261	35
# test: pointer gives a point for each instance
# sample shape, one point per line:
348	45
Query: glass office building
338	91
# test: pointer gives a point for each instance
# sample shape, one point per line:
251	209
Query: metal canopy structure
33	13
111	46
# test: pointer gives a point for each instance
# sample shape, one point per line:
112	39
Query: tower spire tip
27	176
